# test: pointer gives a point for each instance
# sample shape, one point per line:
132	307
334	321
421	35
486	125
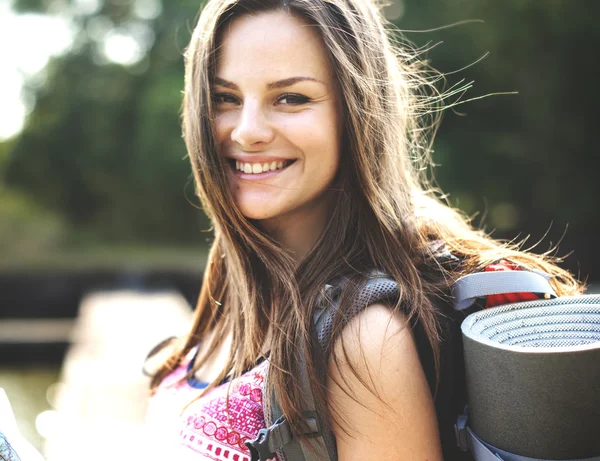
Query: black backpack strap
320	442
277	437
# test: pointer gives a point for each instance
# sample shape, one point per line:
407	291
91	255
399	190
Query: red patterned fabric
506	298
209	426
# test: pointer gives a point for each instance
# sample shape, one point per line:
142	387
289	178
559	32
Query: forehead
271	44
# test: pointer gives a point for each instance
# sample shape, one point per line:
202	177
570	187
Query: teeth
257	168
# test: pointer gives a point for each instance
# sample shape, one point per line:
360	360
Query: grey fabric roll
533	377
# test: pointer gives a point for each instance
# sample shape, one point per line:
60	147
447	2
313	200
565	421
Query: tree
527	159
103	146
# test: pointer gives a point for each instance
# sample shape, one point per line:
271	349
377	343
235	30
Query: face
278	118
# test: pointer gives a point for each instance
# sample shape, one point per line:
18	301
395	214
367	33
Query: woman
307	130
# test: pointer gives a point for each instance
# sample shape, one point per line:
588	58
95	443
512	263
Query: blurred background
102	242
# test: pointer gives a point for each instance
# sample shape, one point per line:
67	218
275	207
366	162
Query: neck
298	231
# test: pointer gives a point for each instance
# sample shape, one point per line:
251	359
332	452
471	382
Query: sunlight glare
122	49
86	7
48	423
39	37
12	109
147	9
128	44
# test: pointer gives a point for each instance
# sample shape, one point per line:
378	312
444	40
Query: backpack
459	441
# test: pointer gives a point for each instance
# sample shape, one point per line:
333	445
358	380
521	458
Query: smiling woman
278	105
307	131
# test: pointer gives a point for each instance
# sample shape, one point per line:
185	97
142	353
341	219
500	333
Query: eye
224	98
293	99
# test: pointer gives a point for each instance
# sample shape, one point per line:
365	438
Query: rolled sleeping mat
533	377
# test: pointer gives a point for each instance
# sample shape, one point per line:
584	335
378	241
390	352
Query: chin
260	206
255	213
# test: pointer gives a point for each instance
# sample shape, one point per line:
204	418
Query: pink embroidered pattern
209	426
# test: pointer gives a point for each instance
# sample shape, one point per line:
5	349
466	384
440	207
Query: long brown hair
386	213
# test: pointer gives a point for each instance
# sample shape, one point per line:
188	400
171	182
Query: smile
258	170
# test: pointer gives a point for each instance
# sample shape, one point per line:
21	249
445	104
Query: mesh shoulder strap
277	438
377	289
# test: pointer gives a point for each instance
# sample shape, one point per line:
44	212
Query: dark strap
320	443
277	437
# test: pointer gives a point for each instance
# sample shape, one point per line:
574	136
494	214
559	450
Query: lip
259	176
256	158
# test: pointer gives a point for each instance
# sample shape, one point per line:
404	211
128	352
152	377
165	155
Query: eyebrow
270	86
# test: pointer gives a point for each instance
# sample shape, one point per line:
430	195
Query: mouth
250	170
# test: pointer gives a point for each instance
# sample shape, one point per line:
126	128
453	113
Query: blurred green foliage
526	160
101	154
102	148
25	228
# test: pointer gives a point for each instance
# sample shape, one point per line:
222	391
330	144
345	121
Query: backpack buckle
259	447
269	440
312	424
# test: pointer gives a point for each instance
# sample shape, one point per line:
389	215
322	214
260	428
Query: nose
252	127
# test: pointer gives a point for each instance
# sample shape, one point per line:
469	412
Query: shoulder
374	329
379	396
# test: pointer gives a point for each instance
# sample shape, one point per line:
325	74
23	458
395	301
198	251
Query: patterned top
7	453
210	427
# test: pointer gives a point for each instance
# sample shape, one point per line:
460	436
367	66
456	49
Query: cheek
223	125
313	127
321	142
